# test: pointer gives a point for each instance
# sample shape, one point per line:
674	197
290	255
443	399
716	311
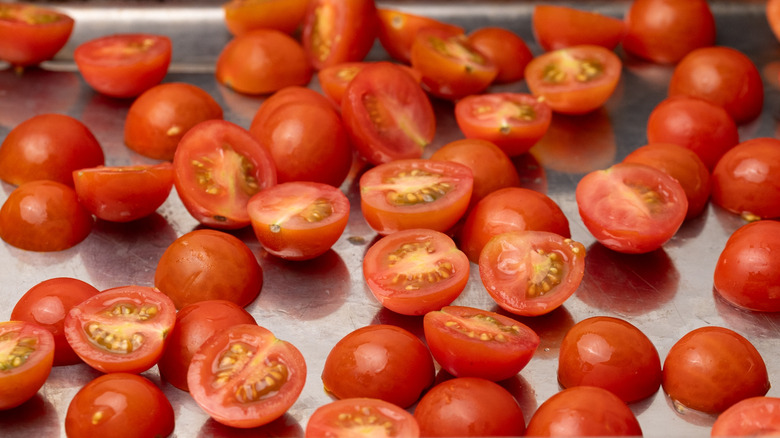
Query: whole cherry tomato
506	49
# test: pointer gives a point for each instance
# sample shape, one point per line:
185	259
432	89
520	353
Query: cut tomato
361	417
242	16
334	79
505	49
397	30
558	27
31	34
339	31
26	356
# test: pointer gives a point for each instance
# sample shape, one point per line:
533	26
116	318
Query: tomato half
339	31
754	416
361	417
26	355
242	16
773	16
245	377
334	79
557	27
397	30
506	49
31	34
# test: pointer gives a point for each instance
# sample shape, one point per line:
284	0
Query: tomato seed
20	352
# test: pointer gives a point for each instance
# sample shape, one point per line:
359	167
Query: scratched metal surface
313	304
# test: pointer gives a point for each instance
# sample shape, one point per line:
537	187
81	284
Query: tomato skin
397	30
334	79
34	345
338	31
754	416
505	49
773	17
31	34
557	27
122	405
361	416
242	16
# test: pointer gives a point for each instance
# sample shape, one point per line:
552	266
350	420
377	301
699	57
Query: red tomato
747	273
415	271
262	61
387	115
754	416
242	16
746	179
469	406
31	34
161	115
513	121
207	265
122	329
287	95
583	411
723	76
44	216
612	354
507	50
299	220
219	166
48	146
28	352
124	65
361	417
397	30
245	377
339	31
46	304
631	208
469	342
119	405
773	16
405	194
558	27
531	273
379	361
334	79
664	31
711	368
574	80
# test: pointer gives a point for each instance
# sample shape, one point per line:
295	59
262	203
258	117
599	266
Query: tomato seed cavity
367	419
548	274
20	351
113	339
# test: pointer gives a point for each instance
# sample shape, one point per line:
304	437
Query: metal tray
314	304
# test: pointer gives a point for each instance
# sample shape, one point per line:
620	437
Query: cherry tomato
122	329
44	216
405	194
245	377
379	361
557	27
339	31
469	406
161	115
361	417
48	146
334	79
28	352
119	405
46	304
299	220
207	265
287	95
507	50
242	16
754	416
31	34
469	342
631	208
773	16
218	167
574	80
124	65
397	30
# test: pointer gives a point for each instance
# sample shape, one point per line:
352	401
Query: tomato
46	304
262	61
48	146
379	361
557	27
218	167
531	273
31	34
405	194
697	124
245	377
161	115
610	353
44	216
242	16
122	329
299	220
513	121
387	114
195	323
574	80
754	416
510	209
339	31
583	411
207	265
724	76
124	65
397	30
450	66
682	164
747	273
361	417
773	17
334	79
664	31
507	50
469	342
26	355
287	95
631	208
746	179
711	368
119	405
469	406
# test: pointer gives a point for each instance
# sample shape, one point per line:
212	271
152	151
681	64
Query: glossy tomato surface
26	361
557	27
338	31
506	49
398	28
30	34
334	79
361	417
754	416
242	16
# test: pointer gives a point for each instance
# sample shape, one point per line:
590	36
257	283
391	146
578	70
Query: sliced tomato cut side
26	357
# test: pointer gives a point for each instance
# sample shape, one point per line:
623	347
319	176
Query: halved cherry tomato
531	273
245	377
397	30
26	355
773	16
557	27
31	34
505	49
405	194
469	342
242	16
339	31
754	416
334	79
298	220
361	417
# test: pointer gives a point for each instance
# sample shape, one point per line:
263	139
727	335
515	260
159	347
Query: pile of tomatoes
448	218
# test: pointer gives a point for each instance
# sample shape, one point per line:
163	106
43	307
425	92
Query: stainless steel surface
313	304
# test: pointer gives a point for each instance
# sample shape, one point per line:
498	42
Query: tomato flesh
31	34
26	355
361	417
